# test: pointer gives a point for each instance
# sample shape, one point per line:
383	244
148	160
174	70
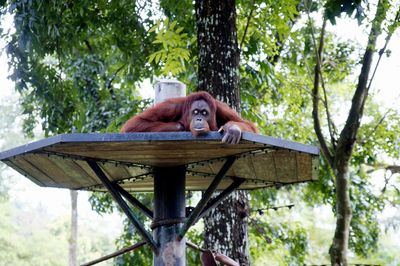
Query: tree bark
218	50
73	240
225	226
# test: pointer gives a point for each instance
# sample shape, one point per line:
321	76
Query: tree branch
349	133
247	26
315	92
87	43
387	39
331	125
110	80
395	169
377	124
318	52
381	120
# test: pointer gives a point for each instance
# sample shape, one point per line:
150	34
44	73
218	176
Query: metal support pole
116	253
132	200
124	206
218	199
206	196
169	215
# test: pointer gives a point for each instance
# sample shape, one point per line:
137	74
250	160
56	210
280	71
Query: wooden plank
200	183
163	149
137	171
174	155
114	172
286	166
264	167
23	172
192	183
202	167
154	137
149	146
73	171
177	152
315	167
163	144
304	167
280	143
121	172
77	175
87	171
195	183
216	166
243	168
58	173
24	163
145	185
156	158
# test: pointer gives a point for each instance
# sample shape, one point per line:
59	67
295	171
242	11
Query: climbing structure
167	163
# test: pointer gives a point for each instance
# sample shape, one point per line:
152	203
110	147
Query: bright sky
386	84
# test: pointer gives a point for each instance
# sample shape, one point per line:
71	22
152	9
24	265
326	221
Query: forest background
104	72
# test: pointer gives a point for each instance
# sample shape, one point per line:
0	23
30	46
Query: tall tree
218	68
338	153
73	240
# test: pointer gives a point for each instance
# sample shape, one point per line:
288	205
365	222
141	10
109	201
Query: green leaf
172	25
154	28
158	56
151	57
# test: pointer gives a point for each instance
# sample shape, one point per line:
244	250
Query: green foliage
195	236
321	191
101	202
10	136
286	108
30	236
334	9
378	137
269	25
175	47
74	68
78	64
142	256
263	27
279	242
7	242
275	238
366	205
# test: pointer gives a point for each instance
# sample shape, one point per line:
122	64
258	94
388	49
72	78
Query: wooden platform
129	159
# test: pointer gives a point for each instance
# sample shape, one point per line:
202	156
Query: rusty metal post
169	215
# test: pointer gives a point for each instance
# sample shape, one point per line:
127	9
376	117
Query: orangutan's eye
196	112
204	113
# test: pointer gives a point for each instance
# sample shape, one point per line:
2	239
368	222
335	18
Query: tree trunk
72	256
338	249
218	50
225	226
